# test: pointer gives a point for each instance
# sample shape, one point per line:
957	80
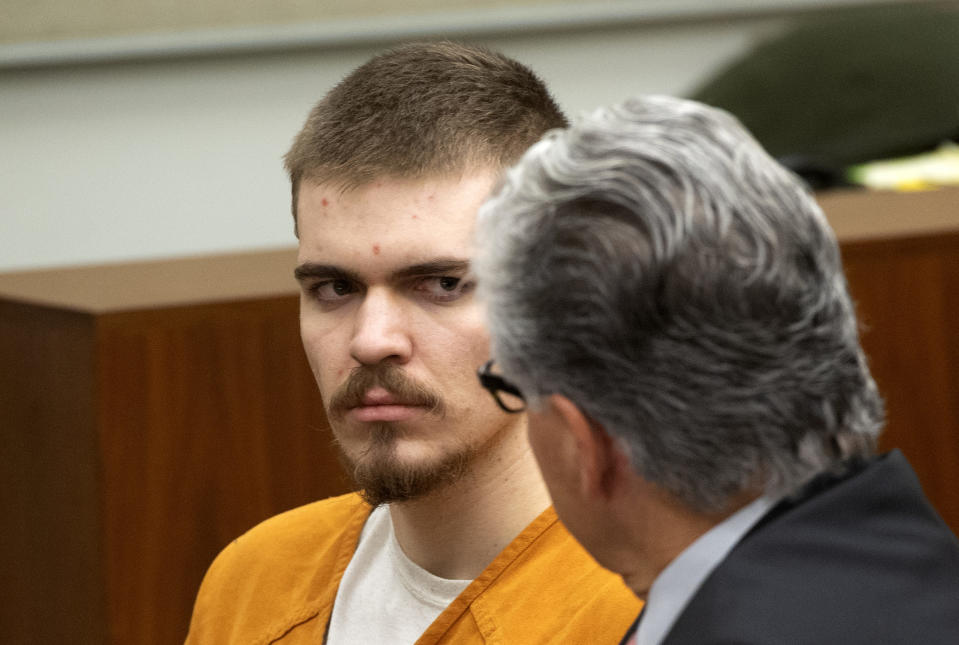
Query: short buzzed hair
422	109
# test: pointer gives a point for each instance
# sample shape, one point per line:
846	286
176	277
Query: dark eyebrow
441	266
309	270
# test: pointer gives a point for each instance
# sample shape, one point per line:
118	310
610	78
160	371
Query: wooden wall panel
210	423
51	558
151	413
906	297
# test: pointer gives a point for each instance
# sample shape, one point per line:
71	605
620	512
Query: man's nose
381	329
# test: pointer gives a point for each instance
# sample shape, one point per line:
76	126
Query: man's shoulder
307	535
284	567
303	527
863	552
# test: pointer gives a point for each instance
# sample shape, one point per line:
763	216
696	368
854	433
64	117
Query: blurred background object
849	88
918	172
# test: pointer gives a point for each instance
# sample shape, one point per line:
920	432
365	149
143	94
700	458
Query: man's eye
332	290
448	284
444	288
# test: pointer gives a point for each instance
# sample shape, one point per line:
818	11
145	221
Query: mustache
391	378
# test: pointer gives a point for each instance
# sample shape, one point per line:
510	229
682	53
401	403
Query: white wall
110	162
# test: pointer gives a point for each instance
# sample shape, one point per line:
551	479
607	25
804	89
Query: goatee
380	477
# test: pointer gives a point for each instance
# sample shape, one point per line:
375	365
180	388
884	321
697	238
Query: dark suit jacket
859	557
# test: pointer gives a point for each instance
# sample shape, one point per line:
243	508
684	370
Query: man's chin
382	478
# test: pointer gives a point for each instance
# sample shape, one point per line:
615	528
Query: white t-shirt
384	597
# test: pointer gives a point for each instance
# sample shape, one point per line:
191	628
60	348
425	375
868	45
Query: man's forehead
447	185
404	220
345	183
394	241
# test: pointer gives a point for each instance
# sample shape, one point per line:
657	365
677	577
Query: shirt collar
675	586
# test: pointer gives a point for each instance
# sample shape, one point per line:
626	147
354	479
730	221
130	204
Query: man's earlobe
596	453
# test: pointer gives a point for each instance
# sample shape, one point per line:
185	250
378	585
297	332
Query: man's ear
597	457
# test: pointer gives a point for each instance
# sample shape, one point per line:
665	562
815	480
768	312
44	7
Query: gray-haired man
670	303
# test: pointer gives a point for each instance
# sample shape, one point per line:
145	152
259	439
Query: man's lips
380	405
379	396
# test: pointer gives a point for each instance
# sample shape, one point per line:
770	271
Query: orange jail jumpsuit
277	584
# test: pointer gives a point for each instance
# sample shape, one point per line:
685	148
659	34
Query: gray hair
654	265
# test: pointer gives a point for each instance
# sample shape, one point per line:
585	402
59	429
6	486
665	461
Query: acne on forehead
315	195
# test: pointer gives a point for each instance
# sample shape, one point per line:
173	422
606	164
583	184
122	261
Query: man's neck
658	530
457	531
